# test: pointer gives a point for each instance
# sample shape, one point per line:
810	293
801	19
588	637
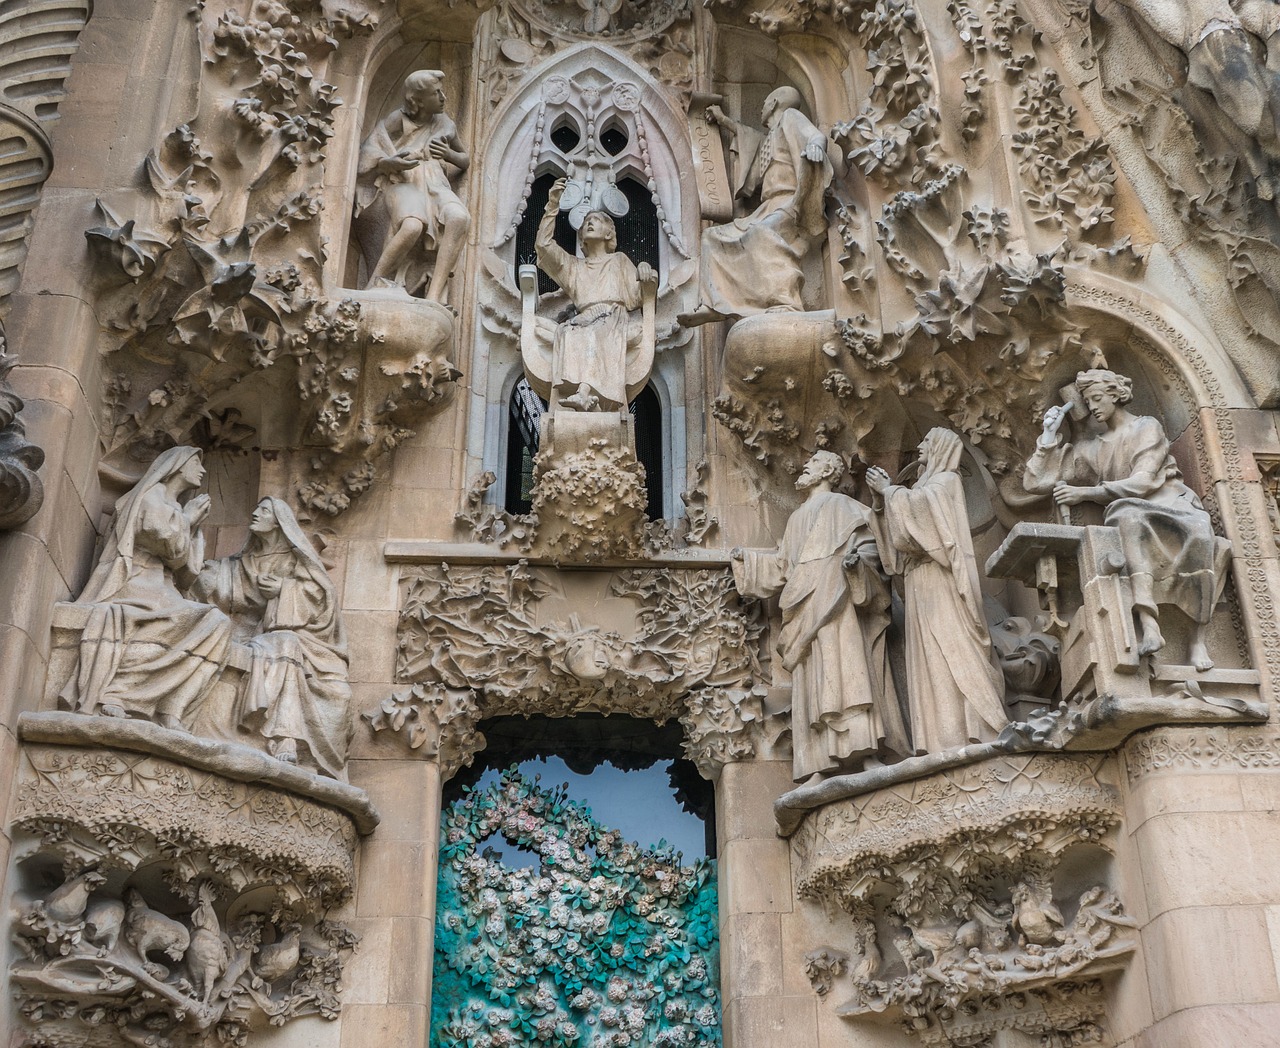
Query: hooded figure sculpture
296	693
955	690
146	651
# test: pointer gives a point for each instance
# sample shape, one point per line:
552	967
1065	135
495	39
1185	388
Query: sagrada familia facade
869	409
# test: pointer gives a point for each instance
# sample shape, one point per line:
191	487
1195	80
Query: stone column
763	1006
388	997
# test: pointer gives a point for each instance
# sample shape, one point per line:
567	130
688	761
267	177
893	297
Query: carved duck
278	959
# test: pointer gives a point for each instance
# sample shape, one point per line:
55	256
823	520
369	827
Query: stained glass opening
576	900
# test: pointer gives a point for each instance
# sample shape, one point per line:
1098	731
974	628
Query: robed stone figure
835	614
955	688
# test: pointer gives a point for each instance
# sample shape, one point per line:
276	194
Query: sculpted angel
1172	554
406	208
296	693
835	614
597	356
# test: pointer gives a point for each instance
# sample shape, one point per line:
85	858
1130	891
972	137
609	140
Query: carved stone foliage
1204	117
163	901
21	491
601	939
475	641
963	874
213	290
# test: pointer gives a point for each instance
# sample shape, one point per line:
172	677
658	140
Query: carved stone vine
473	642
214	291
170	901
962	873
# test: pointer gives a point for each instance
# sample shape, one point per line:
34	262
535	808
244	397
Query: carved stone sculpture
753	264
190	908
1228	48
955	689
1171	554
146	650
405	204
600	357
21	492
296	692
985	939
835	614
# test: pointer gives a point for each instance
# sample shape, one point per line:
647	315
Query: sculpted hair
831	464
611	238
1119	386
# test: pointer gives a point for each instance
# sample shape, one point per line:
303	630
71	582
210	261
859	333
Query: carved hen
207	956
148	931
103	923
66	904
278	959
1035	917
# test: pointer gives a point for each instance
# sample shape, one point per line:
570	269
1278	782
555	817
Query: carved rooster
276	960
207	956
148	931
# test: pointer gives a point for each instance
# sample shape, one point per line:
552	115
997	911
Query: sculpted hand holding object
296	693
955	687
835	613
404	202
1172	554
146	651
601	357
753	264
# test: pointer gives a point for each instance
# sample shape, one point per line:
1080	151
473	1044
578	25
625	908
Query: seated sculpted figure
296	693
404	200
599	359
1172	554
956	690
835	614
147	651
754	264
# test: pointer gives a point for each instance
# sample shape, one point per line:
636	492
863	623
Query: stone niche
171	890
975	903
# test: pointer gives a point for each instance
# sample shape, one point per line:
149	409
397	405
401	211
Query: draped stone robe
955	690
843	704
1172	553
297	685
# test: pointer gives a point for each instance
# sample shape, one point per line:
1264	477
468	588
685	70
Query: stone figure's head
778	101
823	465
1104	391
424	93
940	452
598	226
263	521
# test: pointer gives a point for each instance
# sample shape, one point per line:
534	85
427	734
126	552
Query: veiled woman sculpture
147	651
296	693
1172	554
955	691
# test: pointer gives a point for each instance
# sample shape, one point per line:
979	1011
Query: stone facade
885	392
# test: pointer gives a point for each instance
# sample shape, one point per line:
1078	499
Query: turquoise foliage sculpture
604	944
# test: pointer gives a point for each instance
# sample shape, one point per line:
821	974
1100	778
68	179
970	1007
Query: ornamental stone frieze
976	901
172	888
483	640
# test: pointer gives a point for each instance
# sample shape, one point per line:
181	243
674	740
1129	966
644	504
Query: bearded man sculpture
835	614
754	264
